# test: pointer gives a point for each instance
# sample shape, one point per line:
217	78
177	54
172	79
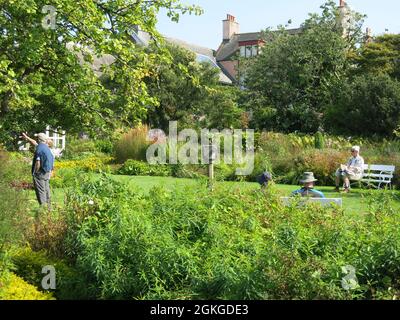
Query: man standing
353	170
42	166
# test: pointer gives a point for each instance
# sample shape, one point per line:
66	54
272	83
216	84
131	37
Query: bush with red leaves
22	185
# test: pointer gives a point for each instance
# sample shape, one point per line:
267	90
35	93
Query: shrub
323	163
224	172
370	103
140	168
229	244
188	171
48	232
13	287
70	284
88	164
14	168
14	217
319	141
65	177
78	148
105	146
132	145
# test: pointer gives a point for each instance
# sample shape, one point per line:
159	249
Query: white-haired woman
353	170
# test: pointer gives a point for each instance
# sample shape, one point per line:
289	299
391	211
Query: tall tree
382	55
46	62
189	92
293	76
365	105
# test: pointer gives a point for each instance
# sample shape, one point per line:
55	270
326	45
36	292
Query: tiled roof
191	47
226	50
249	36
203	54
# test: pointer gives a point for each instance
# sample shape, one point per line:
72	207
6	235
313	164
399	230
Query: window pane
248	51
242	51
255	50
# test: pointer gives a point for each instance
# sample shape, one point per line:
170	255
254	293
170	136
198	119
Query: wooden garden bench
376	175
323	201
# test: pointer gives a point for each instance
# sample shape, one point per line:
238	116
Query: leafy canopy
189	92
47	75
291	80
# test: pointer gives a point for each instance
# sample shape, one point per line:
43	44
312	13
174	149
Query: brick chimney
230	27
342	3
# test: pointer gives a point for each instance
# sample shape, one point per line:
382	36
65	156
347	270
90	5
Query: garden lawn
353	203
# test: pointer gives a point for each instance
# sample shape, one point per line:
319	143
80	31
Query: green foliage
77	148
105	146
319	140
368	104
93	163
193	244
381	56
293	76
290	155
48	75
64	178
189	92
140	168
225	172
188	171
66	171
70	284
13	287
222	110
14	219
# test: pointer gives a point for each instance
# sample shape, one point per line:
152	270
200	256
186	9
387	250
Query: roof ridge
189	43
248	32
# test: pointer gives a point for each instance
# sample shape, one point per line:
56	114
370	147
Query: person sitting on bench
308	190
353	170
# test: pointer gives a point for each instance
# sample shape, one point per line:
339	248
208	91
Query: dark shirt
305	192
264	178
43	153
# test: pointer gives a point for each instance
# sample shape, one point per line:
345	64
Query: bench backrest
322	201
379	167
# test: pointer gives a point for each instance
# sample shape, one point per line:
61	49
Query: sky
255	15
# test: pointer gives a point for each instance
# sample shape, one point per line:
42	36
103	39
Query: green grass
353	203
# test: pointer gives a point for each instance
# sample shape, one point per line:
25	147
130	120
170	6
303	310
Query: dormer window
249	51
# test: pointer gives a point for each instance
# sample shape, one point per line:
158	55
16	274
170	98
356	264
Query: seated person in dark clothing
308	187
264	179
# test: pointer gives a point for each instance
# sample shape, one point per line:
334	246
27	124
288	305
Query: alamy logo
49	21
350	281
186	147
49	281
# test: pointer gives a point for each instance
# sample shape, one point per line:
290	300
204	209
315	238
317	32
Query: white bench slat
323	201
378	173
379	167
375	180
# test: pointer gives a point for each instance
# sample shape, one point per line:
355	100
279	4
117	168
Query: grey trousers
41	182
